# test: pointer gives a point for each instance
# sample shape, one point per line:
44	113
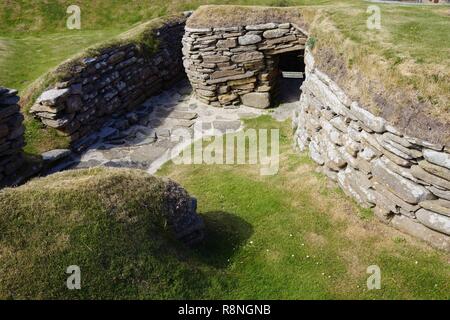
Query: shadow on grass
224	234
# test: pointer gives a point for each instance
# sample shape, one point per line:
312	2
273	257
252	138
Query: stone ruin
405	179
240	64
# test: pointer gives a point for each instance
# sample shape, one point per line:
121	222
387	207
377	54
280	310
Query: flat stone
259	100
248	56
225	73
393	137
399	202
439	206
434	221
274	33
376	124
444	194
227	125
429	178
227	98
55	155
183	115
249	39
248	74
435	169
264	26
400	186
274	41
53	96
215	59
37	108
227	43
404	172
357	185
57	123
438	158
418	230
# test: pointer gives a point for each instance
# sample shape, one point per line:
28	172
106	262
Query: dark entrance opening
291	68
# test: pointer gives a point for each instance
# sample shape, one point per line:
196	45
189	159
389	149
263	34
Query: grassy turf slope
108	222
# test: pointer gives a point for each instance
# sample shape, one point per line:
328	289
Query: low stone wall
406	180
237	65
112	82
11	136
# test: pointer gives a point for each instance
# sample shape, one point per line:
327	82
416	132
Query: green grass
293	235
110	223
299	237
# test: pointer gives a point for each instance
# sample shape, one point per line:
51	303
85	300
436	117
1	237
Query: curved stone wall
110	83
11	137
234	65
406	180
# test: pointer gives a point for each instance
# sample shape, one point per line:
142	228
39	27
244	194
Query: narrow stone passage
144	139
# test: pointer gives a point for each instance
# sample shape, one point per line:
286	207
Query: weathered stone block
249	39
434	221
403	188
256	100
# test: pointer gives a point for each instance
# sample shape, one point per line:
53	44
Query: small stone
435	169
52	97
429	178
55	155
259	100
438	158
227	43
434	221
376	124
264	26
275	33
403	188
439	206
249	39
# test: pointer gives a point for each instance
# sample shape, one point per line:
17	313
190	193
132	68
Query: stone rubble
406	180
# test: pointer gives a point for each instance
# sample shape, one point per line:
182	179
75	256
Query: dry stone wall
234	65
109	84
11	137
406	180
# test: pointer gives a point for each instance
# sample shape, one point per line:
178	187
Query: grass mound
112	223
231	16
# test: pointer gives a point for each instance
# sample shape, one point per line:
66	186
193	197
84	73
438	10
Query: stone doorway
290	76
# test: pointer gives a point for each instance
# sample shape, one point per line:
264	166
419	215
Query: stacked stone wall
109	84
11	137
406	180
237	65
